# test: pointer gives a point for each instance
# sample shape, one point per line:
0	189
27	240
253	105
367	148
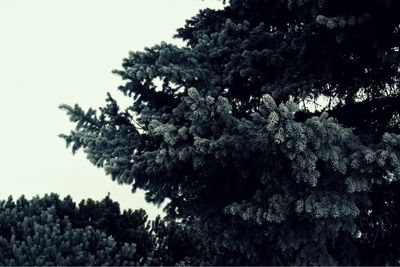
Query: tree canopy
52	231
274	132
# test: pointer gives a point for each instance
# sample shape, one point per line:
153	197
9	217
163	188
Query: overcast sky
54	52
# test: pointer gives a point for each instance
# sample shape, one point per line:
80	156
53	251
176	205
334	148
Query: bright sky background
54	52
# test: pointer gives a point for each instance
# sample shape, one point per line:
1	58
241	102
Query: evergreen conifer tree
40	232
52	231
274	132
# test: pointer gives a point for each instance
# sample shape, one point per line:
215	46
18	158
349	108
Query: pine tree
53	231
35	233
274	132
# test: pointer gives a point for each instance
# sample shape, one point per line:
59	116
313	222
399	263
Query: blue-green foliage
34	233
50	231
230	138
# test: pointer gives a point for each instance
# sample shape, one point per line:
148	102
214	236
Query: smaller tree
42	238
54	231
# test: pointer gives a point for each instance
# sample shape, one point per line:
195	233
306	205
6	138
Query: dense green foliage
51	231
274	132
41	232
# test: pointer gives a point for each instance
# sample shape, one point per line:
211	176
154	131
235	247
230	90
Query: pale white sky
54	52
